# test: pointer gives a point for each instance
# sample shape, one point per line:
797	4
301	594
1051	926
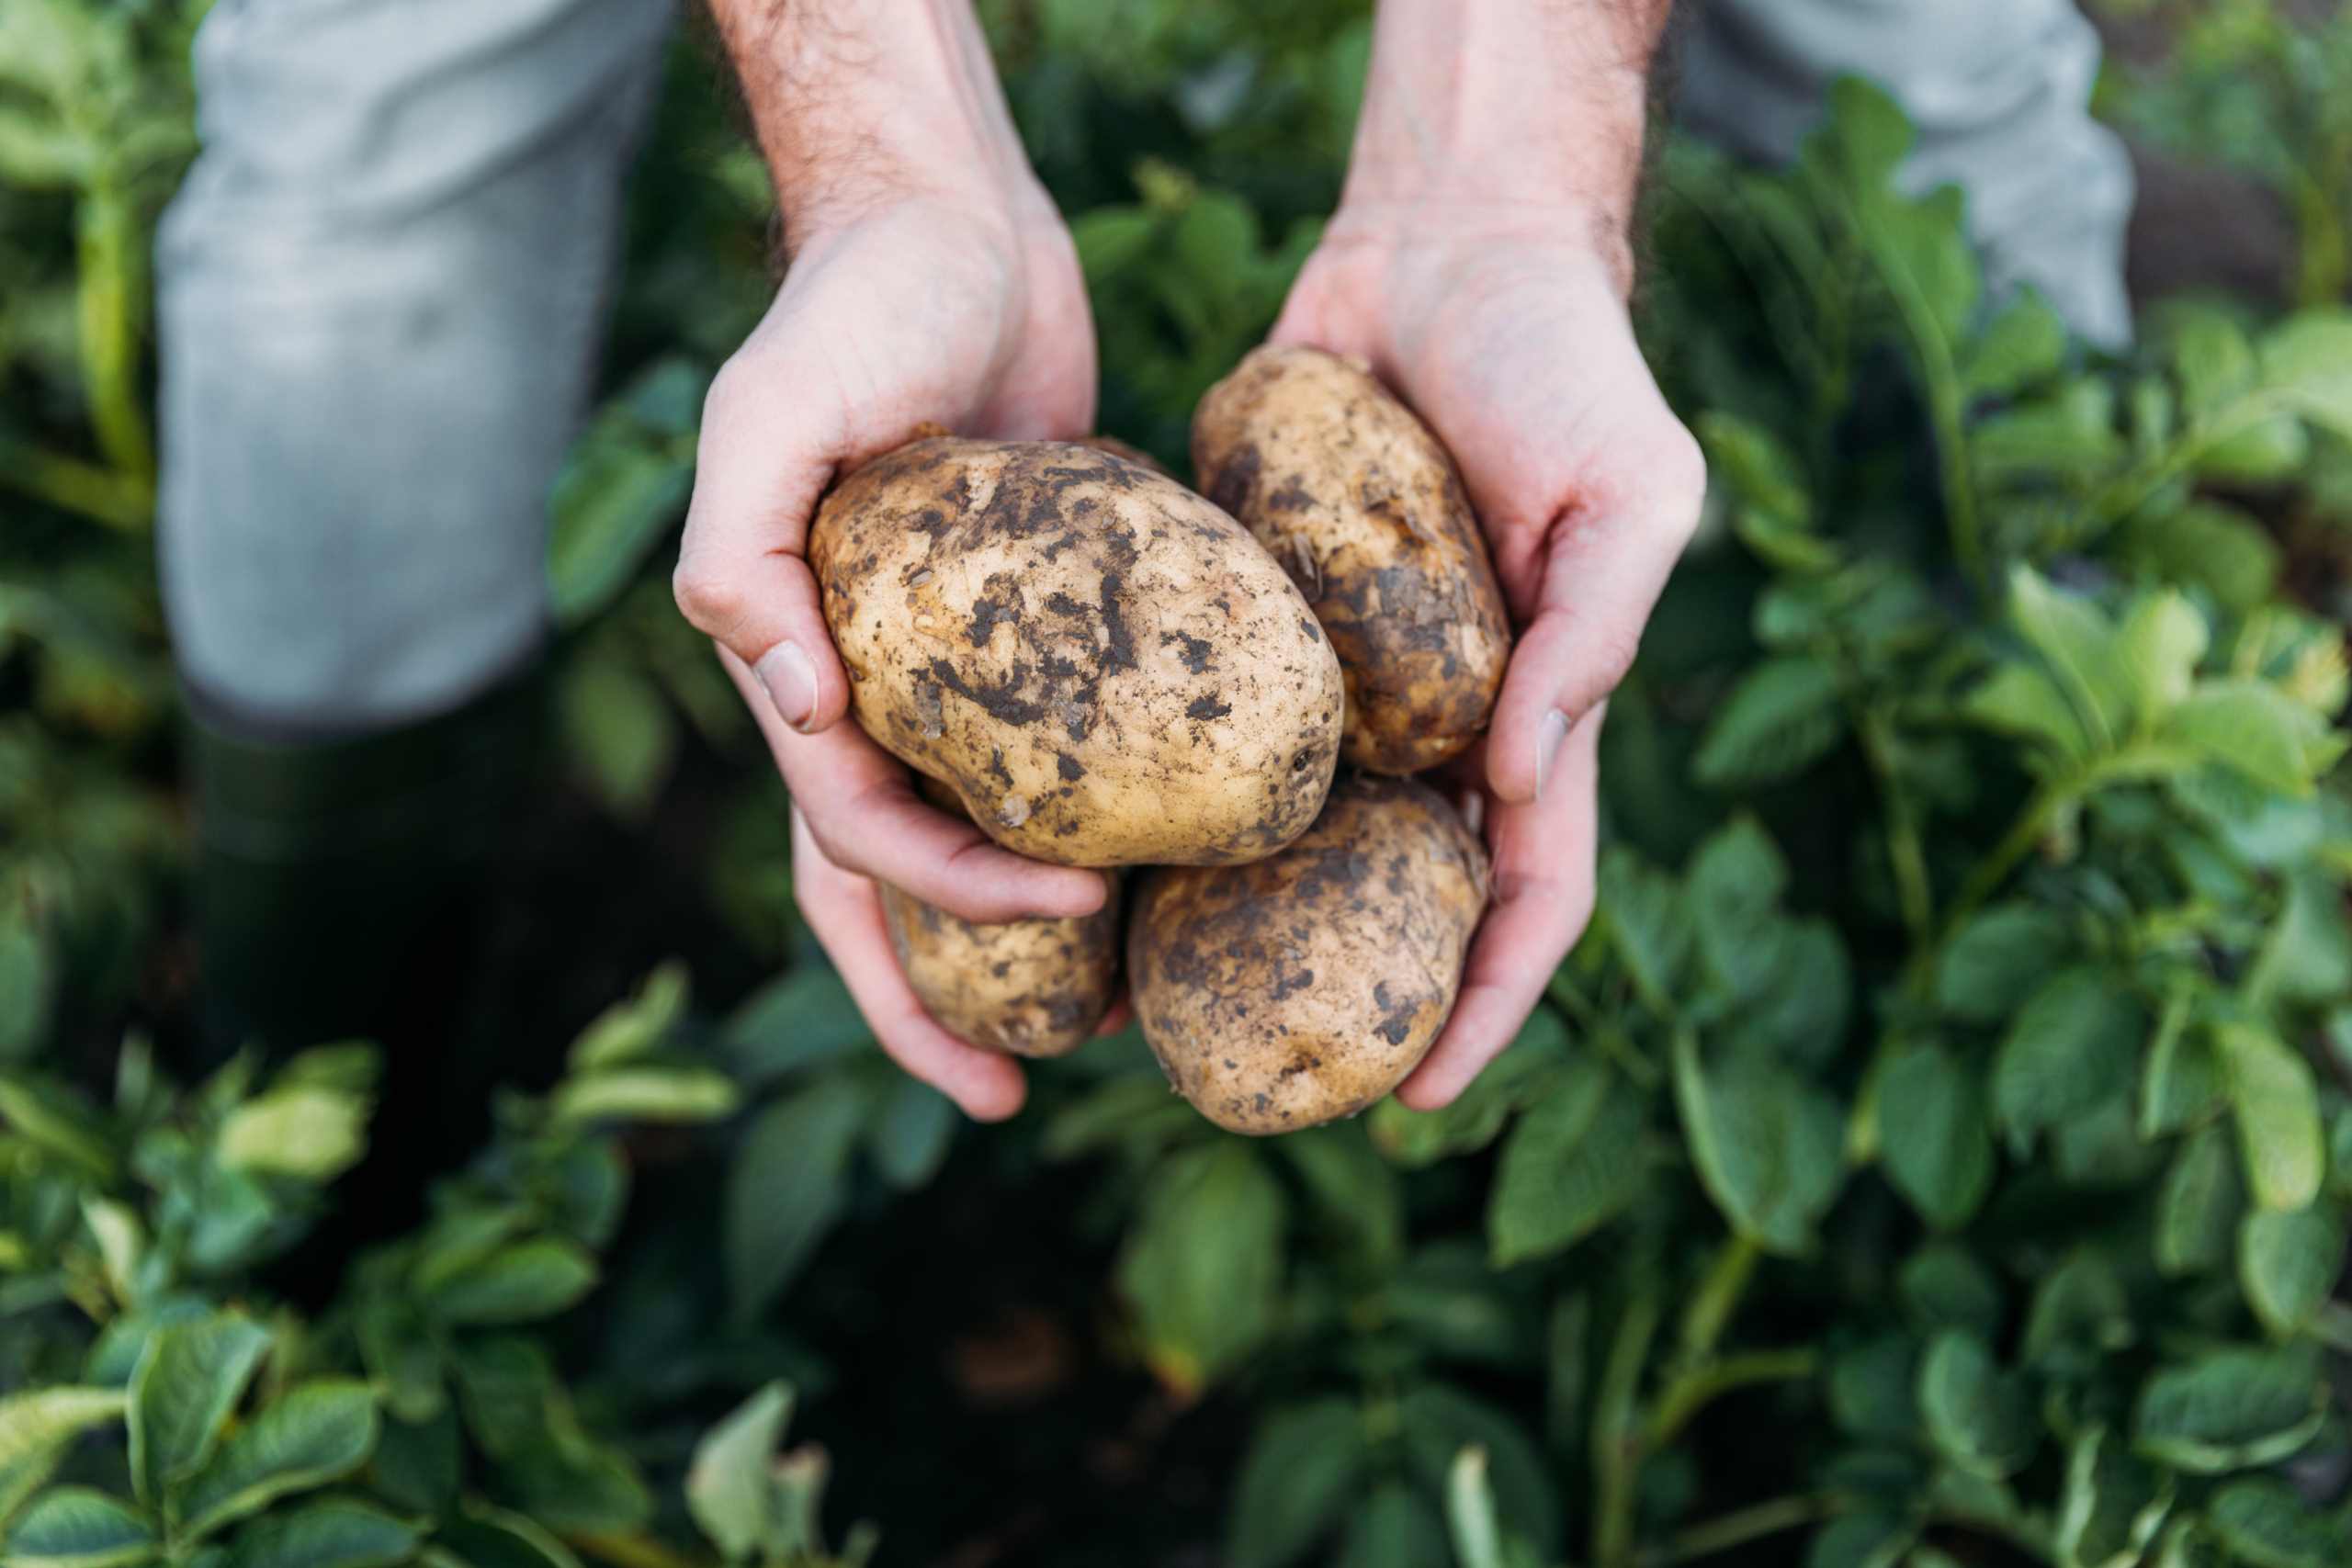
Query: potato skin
1104	668
1304	988
1348	490
1034	987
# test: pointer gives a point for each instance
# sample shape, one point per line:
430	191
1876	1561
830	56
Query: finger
846	915
762	464
1605	560
1543	896
859	803
1123	1013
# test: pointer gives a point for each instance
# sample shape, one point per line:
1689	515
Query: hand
1508	333
931	282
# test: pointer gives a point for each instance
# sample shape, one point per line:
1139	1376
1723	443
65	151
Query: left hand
1507	330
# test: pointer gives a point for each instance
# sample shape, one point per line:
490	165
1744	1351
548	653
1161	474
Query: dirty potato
1351	493
1305	986
1034	987
1105	668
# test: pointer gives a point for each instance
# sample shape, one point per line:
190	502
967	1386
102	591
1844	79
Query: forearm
1506	110
858	103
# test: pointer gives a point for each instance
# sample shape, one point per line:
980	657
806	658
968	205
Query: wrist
1511	118
864	105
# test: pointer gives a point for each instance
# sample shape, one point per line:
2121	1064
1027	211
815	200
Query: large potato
1034	987
1351	493
1105	668
1304	988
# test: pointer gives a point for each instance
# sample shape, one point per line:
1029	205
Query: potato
1034	987
1350	492
1105	668
1304	988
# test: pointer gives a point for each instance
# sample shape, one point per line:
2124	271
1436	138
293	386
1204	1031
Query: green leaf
1575	1161
1735	886
2112	1506
2079	1313
1439	1421
2199	1206
2252	727
1784	717
2022	701
2263	1524
1944	1286
730	1490
1936	1134
305	1131
2024	343
1977	1416
2289	1262
800	1020
911	1137
2276	1103
334	1533
629	1029
1396	1528
1202	1266
2184	1086
2213	360
1768	1146
1756	465
493	1537
2231	1409
620	732
1866	1538
681	1095
616	498
312	1436
420	1465
1521	1076
1642	911
789	1181
2075	1040
519	1283
36	1428
73	1527
2308	359
58	1122
28	980
187	1385
2205	543
1874	1388
2079	645
1995	961
2160	643
1356	1199
1302	1467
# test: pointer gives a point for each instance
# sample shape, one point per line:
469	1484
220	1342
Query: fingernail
791	681
1547	746
1472	804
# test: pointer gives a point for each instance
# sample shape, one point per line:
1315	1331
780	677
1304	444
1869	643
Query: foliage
1937	1152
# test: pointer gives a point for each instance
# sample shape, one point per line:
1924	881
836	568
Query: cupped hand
927	309
1508	333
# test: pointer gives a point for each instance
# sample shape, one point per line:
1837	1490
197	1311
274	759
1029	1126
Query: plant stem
111	498
1993	870
111	301
633	1550
1696	1387
1905	850
1617	1434
1739	1528
1718	1296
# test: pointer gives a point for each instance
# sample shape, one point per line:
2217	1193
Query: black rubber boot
343	890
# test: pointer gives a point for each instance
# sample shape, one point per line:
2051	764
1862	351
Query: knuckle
709	598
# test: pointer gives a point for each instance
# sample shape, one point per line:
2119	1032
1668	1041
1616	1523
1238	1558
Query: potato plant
1938	1153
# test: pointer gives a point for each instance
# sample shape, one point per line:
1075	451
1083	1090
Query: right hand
933	309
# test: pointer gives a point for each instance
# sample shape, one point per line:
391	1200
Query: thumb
762	465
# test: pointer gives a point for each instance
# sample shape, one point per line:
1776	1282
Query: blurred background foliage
1938	1154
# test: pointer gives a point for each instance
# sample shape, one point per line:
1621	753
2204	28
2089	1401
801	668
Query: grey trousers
382	289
